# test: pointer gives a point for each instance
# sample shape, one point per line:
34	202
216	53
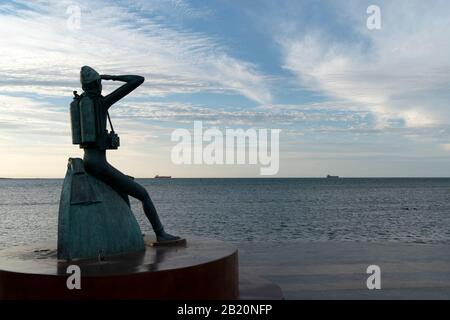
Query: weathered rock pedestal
202	269
94	220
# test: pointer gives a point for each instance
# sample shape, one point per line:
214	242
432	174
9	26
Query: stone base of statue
94	220
200	269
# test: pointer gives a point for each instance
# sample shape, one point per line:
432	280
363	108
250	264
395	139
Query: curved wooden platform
201	269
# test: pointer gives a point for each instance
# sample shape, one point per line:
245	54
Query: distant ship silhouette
332	177
162	177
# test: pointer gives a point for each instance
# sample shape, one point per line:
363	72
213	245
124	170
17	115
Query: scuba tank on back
75	120
86	127
83	120
88	120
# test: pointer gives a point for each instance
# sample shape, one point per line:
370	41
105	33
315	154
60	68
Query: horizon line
258	177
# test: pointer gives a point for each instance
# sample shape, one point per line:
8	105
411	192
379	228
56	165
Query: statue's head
90	80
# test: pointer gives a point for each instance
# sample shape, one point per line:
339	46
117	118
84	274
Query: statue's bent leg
124	184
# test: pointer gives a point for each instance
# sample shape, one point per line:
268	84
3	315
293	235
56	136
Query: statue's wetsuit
95	155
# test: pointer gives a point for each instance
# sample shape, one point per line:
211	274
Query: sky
349	101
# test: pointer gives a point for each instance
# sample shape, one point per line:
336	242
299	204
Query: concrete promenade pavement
337	270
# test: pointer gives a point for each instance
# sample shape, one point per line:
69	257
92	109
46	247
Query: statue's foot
164	237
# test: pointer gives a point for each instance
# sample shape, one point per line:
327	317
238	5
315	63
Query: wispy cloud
40	52
26	116
399	72
308	116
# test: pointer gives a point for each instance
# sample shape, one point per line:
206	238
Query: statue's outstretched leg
123	183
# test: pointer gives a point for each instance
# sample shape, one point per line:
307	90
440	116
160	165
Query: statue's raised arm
132	82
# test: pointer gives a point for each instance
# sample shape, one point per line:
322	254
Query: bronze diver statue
90	132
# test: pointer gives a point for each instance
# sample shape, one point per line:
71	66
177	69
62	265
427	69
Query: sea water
259	210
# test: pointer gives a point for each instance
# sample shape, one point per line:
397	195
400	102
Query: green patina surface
94	220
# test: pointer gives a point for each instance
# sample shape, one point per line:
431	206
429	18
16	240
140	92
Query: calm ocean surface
375	210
